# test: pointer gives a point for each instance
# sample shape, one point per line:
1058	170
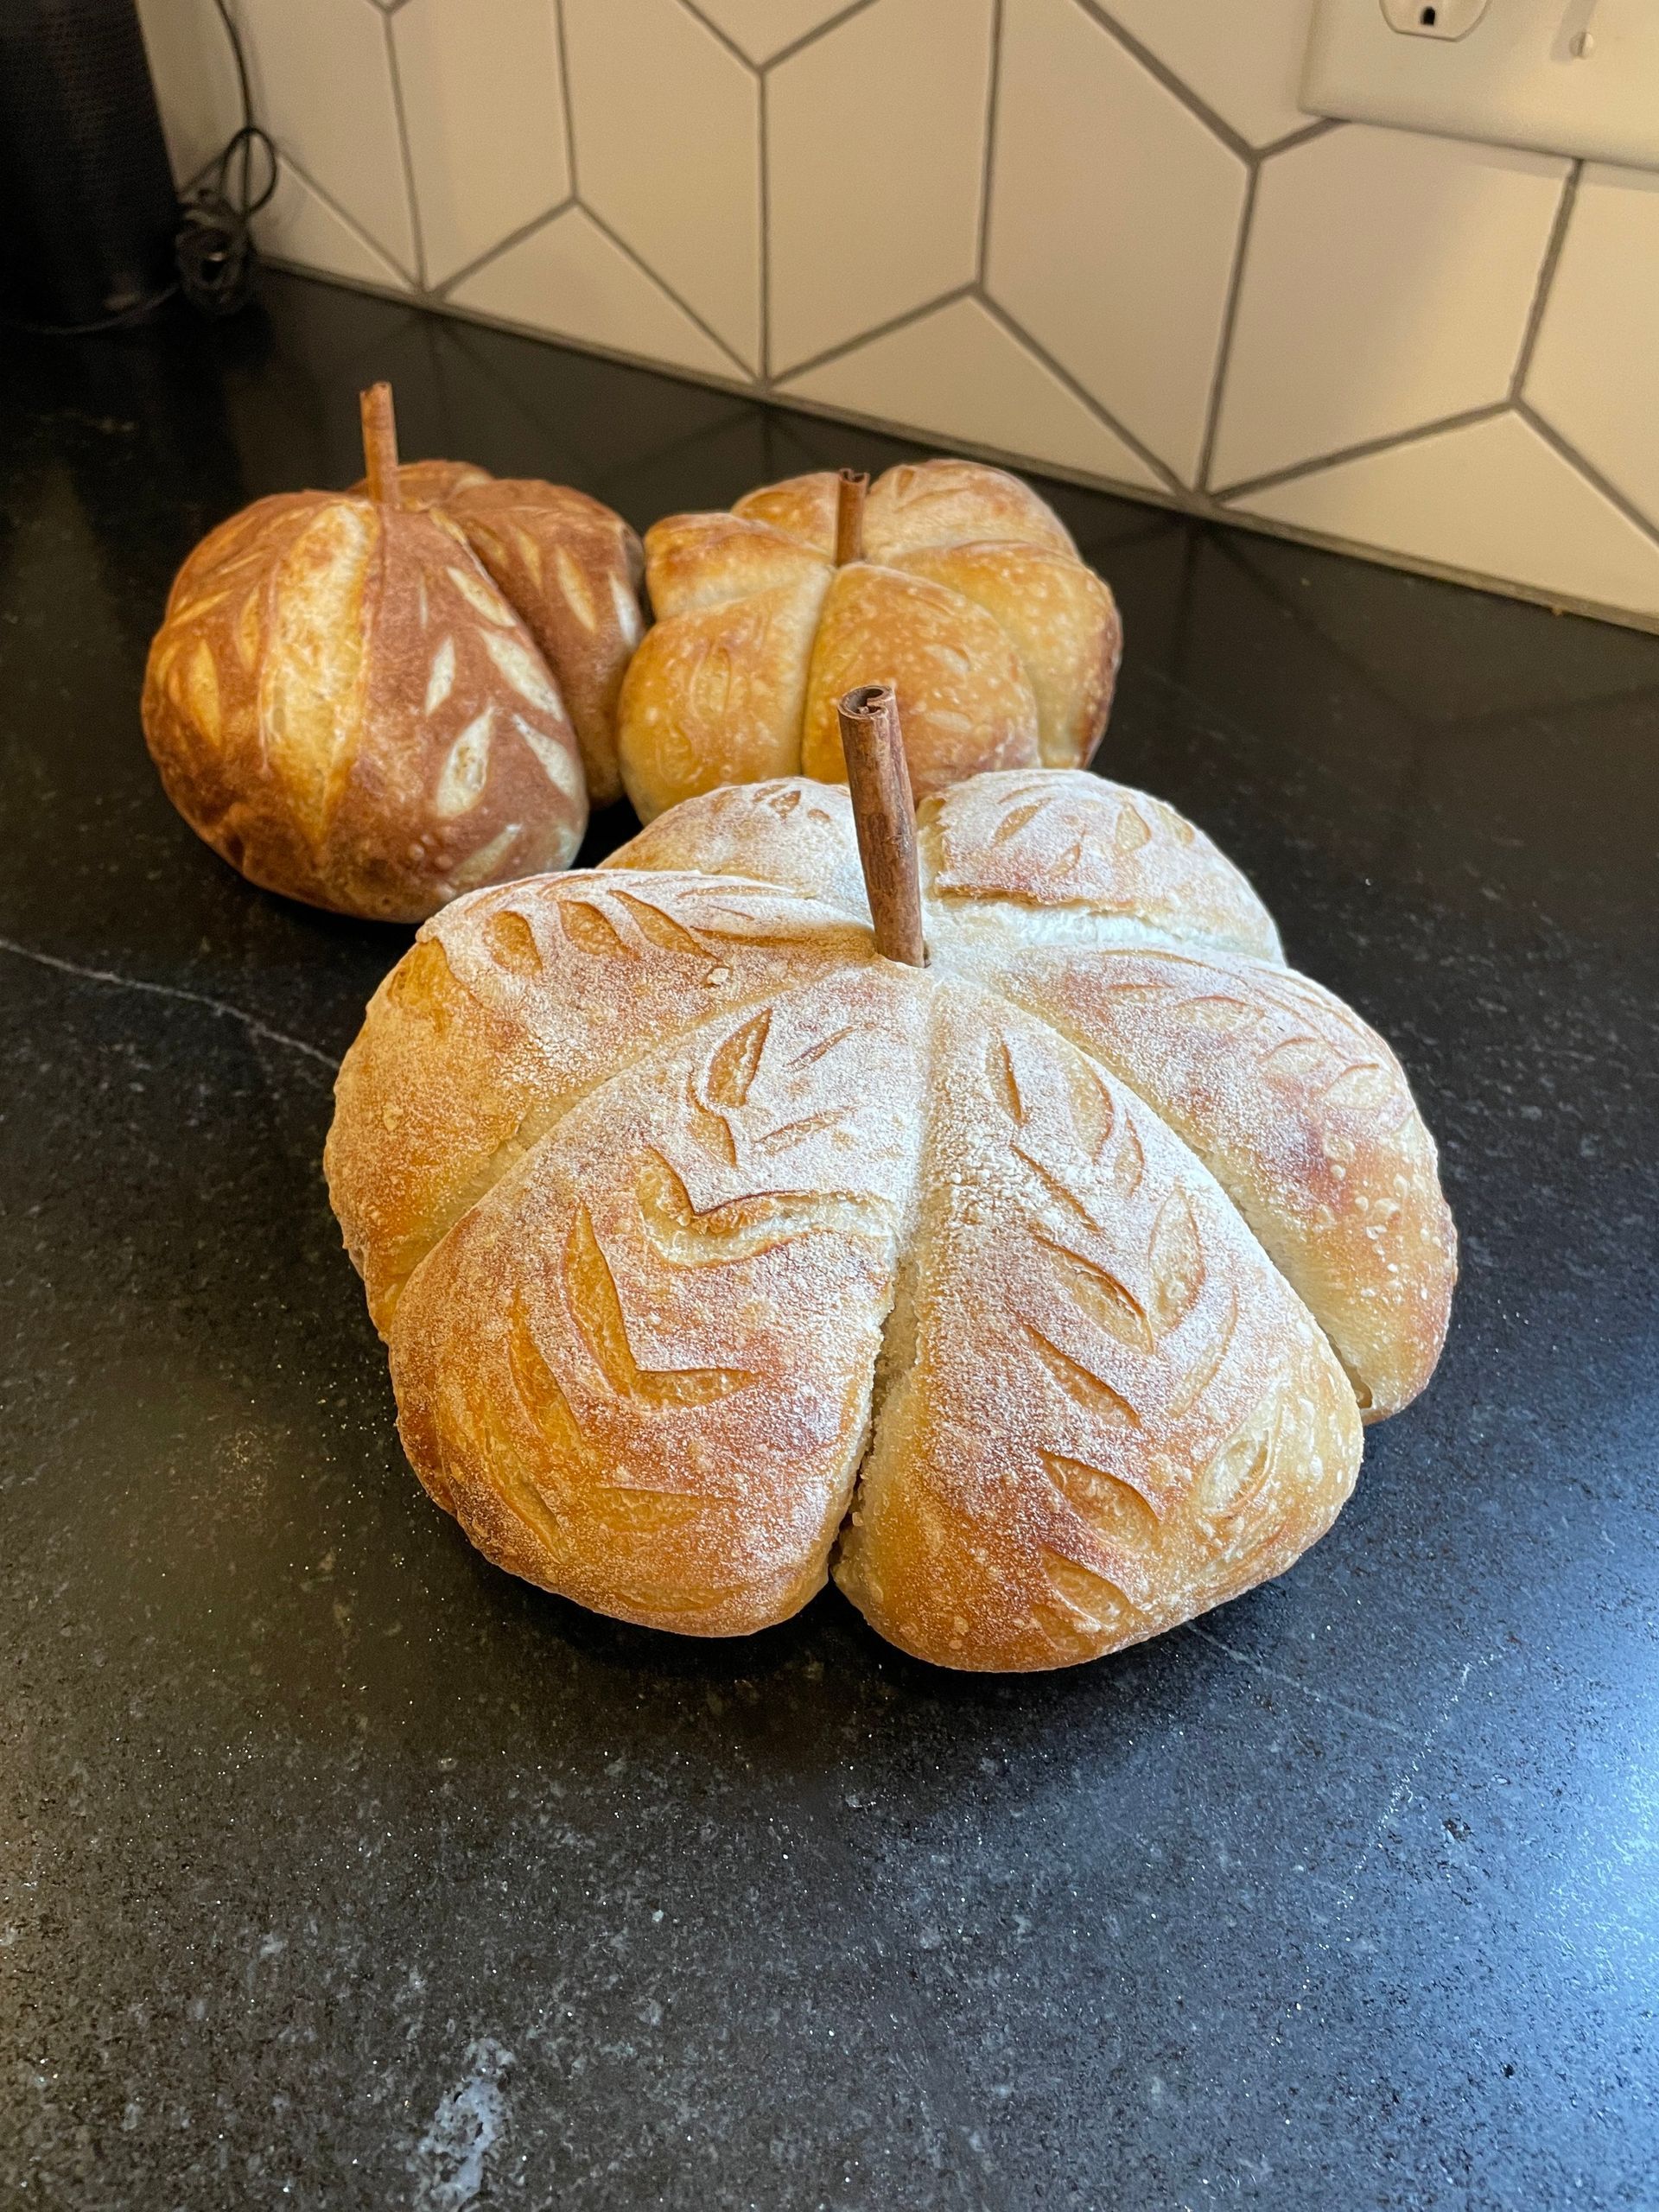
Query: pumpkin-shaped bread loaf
953	582
570	568
373	701
1037	1293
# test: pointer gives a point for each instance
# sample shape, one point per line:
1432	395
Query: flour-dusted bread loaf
964	591
376	703
1037	1293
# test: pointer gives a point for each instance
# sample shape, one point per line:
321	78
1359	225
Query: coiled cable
214	249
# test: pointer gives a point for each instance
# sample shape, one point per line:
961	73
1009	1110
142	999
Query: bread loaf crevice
894	1362
1386	1365
895	1356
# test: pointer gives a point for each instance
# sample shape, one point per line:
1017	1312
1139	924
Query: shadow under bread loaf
1037	1293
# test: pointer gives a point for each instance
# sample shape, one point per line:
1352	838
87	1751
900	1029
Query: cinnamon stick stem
380	444
849	516
885	815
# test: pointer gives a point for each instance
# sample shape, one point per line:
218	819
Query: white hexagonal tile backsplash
484	108
763	29
1487	498
1595	376
1387	283
667	140
323	69
842	163
1113	225
962	373
1098	236
1242	58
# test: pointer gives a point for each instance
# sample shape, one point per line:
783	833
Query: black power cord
214	248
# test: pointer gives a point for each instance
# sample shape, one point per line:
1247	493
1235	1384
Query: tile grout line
721	36
763	114
410	286
1165	473
993	94
831	354
410	192
1198	500
739	387
1593	476
1363	450
810	38
1302	136
1643	620
668	292
438	295
1150	497
1159	499
468	323
1553	245
566	101
1217	125
1229	324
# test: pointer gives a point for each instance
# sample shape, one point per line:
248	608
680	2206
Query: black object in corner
87	208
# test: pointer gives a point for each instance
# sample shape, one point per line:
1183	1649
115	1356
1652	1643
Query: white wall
1099	237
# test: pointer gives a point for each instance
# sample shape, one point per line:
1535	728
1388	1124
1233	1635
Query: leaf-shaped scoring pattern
1086	854
689	1326
1093	1328
1302	1114
595	1309
515	1003
1100	1296
964	1213
735	1062
343	703
544	1399
689	1235
1125	1270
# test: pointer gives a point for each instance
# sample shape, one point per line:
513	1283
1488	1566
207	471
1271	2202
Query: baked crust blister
969	600
1037	1294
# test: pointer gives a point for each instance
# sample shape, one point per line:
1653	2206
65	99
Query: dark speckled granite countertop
338	1870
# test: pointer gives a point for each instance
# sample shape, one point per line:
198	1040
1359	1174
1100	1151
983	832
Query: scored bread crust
677	1387
1107	914
572	568
715	1253
341	702
509	1008
969	600
375	709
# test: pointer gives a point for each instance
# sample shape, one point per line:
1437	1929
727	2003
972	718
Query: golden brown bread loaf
374	706
970	600
1037	1294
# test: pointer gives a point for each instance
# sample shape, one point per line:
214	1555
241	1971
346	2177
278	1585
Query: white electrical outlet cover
1434	18
1565	76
